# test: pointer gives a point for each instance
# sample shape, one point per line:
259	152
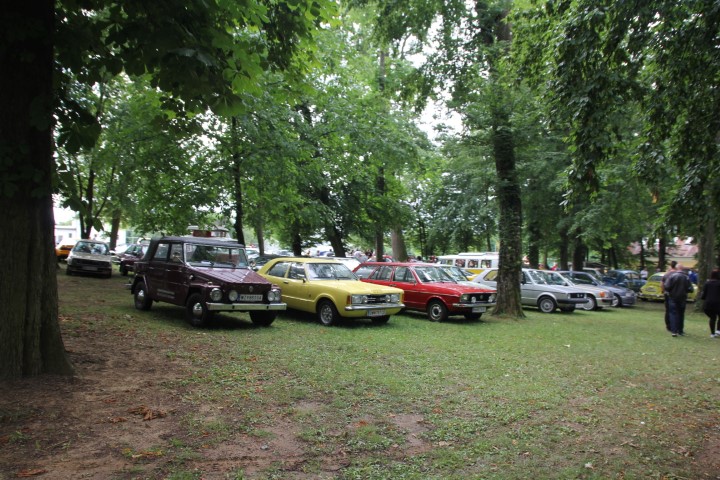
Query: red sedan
429	289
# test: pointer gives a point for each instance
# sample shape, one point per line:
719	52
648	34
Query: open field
584	395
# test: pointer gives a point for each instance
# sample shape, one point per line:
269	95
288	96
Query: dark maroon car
428	288
205	276
131	255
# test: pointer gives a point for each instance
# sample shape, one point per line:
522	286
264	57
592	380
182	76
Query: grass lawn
605	394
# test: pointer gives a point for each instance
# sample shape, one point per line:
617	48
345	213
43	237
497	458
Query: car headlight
464	298
394	298
358	299
233	295
273	295
216	295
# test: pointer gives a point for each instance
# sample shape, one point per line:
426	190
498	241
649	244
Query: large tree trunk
30	340
397	240
237	182
510	224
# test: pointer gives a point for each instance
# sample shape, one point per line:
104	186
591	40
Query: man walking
677	287
663	287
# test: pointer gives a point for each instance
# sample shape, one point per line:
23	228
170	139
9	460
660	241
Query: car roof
402	264
199	241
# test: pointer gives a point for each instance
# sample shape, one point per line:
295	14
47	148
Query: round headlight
216	294
359	299
464	298
273	296
491	298
394	298
233	295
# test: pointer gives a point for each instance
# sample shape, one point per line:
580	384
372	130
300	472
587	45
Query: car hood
90	256
228	275
460	288
358	287
552	288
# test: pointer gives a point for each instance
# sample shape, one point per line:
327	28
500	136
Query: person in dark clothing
711	302
667	275
677	287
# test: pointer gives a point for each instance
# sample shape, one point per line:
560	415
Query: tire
546	305
617	302
568	309
437	311
327	313
590	305
473	316
123	270
196	311
142	299
67	271
263	319
381	320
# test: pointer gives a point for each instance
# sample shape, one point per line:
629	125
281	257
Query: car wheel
123	270
473	316
590	305
196	311
142	299
568	309
546	305
327	313
263	319
437	311
379	320
616	302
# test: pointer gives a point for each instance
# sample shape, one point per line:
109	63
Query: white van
474	262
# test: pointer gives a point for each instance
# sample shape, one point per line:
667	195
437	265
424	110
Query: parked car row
206	275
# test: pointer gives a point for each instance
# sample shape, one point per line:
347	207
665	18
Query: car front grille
376	299
577	295
480	297
90	263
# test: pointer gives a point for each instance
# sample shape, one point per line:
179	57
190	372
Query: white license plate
375	313
478	309
250	298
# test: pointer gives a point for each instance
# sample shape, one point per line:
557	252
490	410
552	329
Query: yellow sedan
652	290
328	288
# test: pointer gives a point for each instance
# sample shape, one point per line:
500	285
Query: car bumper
375	306
571	301
89	269
471	307
245	307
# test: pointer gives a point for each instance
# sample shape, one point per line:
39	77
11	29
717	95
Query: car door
155	274
404	278
290	287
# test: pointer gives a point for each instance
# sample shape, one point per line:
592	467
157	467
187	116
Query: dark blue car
624	278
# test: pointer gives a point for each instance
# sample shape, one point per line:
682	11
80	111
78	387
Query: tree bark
237	182
399	249
30	338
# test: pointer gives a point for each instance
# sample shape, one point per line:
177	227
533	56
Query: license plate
478	309
375	313
250	298
92	269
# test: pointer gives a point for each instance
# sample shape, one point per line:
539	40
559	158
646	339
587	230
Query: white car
90	257
536	292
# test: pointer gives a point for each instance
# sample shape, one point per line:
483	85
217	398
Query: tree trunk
662	249
237	182
397	240
534	234
579	254
510	224
30	339
260	234
115	228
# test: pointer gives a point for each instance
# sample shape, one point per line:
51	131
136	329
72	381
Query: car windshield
554	278
537	276
91	247
455	273
329	271
583	279
432	274
215	256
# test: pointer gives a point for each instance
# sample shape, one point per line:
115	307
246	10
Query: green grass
584	395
